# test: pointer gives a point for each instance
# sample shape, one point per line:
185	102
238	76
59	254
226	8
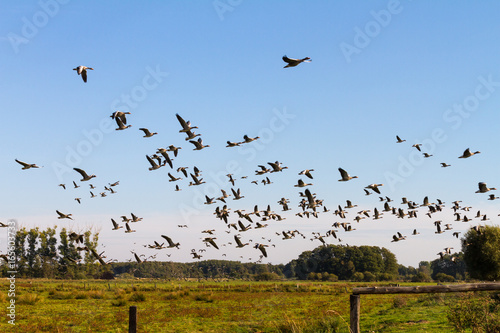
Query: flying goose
172	178
417	145
239	244
211	241
374	187
444	165
147	133
186	125
345	176
121	124
276	166
174	149
307	172
198	144
115	225
294	62
64	216
27	165
236	194
170	242
483	188
78	200
154	165
247	139
262	248
63	186
82	70
233	144
128	228
196	181
164	153
84	175
399	139
467	153
135	218
301	183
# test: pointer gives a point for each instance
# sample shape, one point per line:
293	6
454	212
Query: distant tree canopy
344	262
481	248
40	253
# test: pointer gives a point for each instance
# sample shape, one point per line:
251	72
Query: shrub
481	314
137	297
399	302
28	299
442	277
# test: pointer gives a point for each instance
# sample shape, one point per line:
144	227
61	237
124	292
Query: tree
481	248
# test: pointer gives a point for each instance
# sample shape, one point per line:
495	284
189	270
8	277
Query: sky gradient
428	72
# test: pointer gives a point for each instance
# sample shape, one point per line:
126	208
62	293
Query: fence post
132	319
355	310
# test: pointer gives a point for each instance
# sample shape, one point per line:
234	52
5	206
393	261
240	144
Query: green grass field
211	306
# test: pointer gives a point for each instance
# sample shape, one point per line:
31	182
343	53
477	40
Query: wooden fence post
355	310
132	319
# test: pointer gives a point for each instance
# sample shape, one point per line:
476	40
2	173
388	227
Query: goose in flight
307	172
170	242
239	244
84	175
211	241
164	153
63	186
262	248
302	184
492	197
467	153
154	165
186	125
276	166
115	225
294	62
135	218
26	165
174	149
345	176
417	145
78	200
121	124
128	228
196	181
236	194
198	144
233	144
121	115
444	165
172	178
147	133
483	188
399	139
191	135
64	216
82	70
374	187
247	139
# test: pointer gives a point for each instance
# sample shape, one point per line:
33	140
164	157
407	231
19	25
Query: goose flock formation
240	223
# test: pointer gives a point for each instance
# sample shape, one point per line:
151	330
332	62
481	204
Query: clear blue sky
428	72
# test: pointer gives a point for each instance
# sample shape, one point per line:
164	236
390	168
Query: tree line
64	254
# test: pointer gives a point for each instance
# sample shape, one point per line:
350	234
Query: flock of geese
239	222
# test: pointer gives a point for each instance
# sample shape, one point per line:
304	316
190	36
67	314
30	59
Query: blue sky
427	72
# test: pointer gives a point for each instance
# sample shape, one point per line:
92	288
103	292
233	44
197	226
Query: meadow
216	306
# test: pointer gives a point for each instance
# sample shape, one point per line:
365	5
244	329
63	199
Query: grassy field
210	306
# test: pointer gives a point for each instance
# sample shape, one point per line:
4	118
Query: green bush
481	313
